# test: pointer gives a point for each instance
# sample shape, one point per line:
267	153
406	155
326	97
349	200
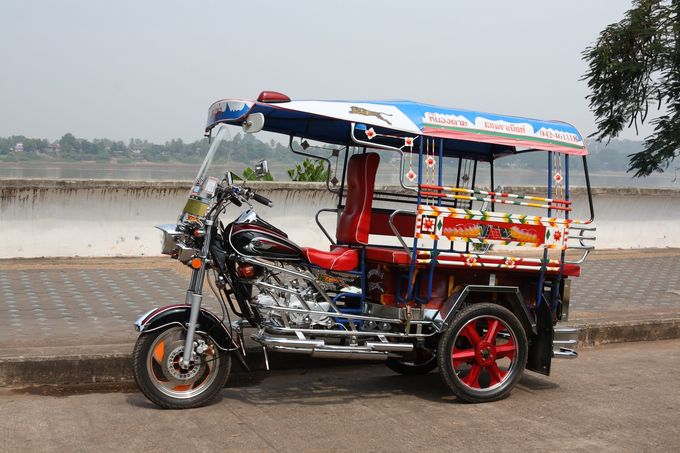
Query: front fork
195	296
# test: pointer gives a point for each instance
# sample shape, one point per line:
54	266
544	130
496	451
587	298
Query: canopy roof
480	135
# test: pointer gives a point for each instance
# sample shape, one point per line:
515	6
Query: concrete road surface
623	397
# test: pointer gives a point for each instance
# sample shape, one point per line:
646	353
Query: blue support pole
412	268
362	256
435	248
541	277
440	178
566	216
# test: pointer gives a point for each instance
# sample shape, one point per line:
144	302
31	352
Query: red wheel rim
483	354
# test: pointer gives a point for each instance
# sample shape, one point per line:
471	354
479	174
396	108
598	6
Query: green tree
309	171
69	144
634	66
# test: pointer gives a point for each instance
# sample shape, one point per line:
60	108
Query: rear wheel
420	361
156	368
483	353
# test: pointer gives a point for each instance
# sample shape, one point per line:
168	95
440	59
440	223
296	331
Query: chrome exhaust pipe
372	350
334	353
287	342
564	353
389	347
348	353
291	349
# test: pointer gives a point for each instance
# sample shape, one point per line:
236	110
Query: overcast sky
150	69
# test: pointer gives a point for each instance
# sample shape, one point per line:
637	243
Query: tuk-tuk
442	270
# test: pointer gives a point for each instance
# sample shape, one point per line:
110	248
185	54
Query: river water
388	174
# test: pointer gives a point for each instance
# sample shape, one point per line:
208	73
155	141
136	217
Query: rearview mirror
262	169
253	123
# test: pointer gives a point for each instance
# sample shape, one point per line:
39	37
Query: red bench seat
400	257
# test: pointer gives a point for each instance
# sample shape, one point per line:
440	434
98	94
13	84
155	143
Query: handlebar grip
264	200
235	200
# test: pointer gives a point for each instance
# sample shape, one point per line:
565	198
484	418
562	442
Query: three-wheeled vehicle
440	270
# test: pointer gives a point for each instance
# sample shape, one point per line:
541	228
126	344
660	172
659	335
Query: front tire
482	354
158	375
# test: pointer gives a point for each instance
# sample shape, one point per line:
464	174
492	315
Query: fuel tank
253	236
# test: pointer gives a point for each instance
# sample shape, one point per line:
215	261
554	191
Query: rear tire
155	360
482	354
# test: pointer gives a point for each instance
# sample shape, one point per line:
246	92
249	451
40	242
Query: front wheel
156	368
482	354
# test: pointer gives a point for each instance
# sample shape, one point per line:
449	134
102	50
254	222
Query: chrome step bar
565	336
371	350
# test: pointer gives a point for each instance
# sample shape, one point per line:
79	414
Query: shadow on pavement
345	387
334	385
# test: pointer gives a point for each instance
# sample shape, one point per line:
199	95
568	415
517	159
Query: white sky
150	69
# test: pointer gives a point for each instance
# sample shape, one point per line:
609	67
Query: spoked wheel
159	376
420	361
483	353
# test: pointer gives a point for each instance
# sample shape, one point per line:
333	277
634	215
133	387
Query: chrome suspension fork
195	296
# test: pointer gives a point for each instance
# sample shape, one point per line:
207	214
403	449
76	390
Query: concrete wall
116	218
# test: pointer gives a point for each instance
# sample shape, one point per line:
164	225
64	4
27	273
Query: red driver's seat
355	220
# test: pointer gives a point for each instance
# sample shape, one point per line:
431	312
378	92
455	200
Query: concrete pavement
69	313
609	400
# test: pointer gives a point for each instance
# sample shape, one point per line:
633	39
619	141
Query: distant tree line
244	148
613	156
248	149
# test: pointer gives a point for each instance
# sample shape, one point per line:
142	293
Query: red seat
387	255
399	256
354	224
338	259
355	220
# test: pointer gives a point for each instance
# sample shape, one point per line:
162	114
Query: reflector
272	97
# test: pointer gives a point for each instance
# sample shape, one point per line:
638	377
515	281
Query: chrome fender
208	323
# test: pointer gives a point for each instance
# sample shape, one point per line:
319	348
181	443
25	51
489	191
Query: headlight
174	243
170	238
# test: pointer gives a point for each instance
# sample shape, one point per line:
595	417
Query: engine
293	296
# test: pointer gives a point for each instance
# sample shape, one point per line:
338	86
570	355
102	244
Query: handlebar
264	200
238	194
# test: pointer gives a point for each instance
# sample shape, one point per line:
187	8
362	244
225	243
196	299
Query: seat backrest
355	221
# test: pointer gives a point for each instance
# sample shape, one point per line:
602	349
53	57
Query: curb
116	367
112	367
596	334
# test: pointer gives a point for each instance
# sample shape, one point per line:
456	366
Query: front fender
208	323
